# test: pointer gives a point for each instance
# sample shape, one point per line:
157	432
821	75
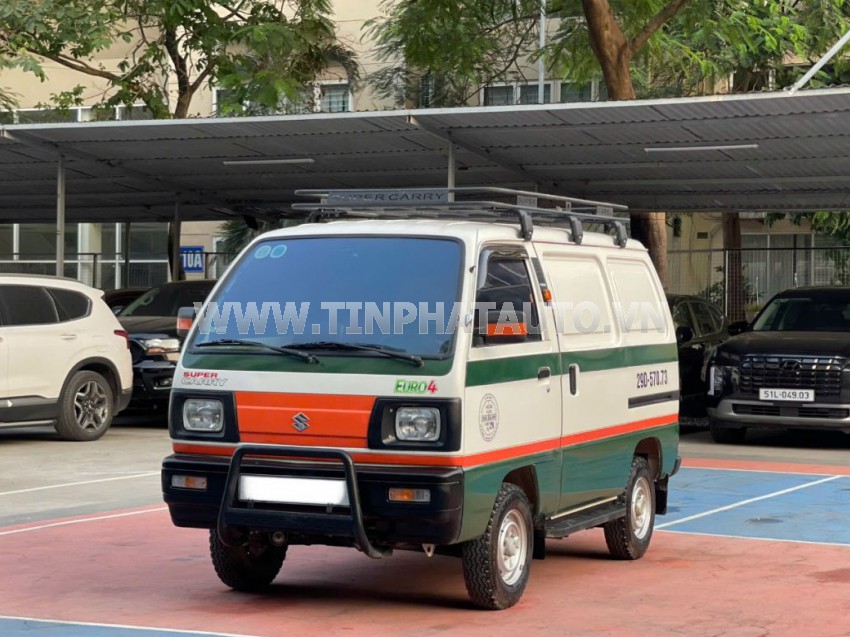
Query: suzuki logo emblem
300	421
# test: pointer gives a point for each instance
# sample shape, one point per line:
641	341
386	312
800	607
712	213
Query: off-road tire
243	570
727	435
68	425
484	582
624	541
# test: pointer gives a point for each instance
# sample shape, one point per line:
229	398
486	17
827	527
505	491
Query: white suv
64	358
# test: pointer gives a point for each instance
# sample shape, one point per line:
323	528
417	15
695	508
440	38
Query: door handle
543	373
573	379
68	337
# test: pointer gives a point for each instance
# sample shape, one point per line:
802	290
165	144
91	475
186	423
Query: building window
336	98
38	240
499	95
576	92
528	93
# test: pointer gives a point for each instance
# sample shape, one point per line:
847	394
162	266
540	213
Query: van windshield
390	292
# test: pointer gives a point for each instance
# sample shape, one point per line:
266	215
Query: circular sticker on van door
488	417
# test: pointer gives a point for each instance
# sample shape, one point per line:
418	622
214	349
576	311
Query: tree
260	52
636	46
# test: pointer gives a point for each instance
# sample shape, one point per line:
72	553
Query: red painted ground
758	465
140	570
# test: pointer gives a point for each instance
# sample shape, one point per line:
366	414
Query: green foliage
473	43
832	224
262	51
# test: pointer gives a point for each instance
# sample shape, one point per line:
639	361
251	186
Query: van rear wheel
249	567
496	565
628	537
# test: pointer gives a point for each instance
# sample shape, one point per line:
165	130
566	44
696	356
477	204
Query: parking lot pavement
44	477
749	548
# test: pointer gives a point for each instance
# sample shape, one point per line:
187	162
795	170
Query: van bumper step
586	519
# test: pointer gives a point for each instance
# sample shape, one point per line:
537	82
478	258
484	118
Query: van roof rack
442	203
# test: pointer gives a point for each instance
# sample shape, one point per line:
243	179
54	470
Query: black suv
151	321
787	369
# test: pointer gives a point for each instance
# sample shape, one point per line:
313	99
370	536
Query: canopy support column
126	249
175	244
60	217
450	181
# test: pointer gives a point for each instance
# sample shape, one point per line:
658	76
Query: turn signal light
199	483
410	495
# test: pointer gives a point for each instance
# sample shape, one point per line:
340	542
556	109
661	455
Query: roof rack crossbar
435	203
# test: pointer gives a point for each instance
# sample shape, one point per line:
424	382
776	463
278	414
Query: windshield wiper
379	349
308	358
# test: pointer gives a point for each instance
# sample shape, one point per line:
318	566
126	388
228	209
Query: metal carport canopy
769	151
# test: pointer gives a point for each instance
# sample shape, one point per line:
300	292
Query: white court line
81	521
76	484
123	626
760	539
735	505
776	471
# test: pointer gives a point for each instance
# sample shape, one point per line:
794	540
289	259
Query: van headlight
203	415
417	424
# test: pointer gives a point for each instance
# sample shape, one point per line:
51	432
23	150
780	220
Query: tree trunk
650	228
734	274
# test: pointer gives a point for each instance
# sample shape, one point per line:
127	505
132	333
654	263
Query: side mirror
684	334
506	331
116	310
738	327
185	318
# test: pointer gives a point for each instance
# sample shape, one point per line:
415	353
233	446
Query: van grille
820	373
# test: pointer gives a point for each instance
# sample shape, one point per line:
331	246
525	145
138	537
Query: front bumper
740	412
152	382
385	523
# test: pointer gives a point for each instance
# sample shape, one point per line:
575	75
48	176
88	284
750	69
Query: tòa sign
192	259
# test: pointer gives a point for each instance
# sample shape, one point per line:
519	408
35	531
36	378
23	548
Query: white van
409	372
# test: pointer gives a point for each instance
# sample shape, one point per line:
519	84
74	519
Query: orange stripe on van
467	462
325	420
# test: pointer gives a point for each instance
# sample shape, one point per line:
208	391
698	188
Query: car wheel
496	565
727	435
628	537
85	407
249	567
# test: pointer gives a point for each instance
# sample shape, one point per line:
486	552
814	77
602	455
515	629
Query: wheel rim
513	547
641	507
91	406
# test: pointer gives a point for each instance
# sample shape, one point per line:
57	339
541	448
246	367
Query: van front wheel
249	567
496	565
628	537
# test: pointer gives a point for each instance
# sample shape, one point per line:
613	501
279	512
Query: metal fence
111	272
764	272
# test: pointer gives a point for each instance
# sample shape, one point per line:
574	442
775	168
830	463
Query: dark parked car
700	328
787	369
117	300
151	321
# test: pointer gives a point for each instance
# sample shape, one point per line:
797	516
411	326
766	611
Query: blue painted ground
33	628
817	512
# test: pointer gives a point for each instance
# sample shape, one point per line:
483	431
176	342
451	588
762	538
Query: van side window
642	309
27	305
508	290
71	305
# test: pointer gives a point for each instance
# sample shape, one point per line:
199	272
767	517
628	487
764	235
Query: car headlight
417	424
168	347
203	415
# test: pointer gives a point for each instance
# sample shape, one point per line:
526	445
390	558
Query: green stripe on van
505	370
328	364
